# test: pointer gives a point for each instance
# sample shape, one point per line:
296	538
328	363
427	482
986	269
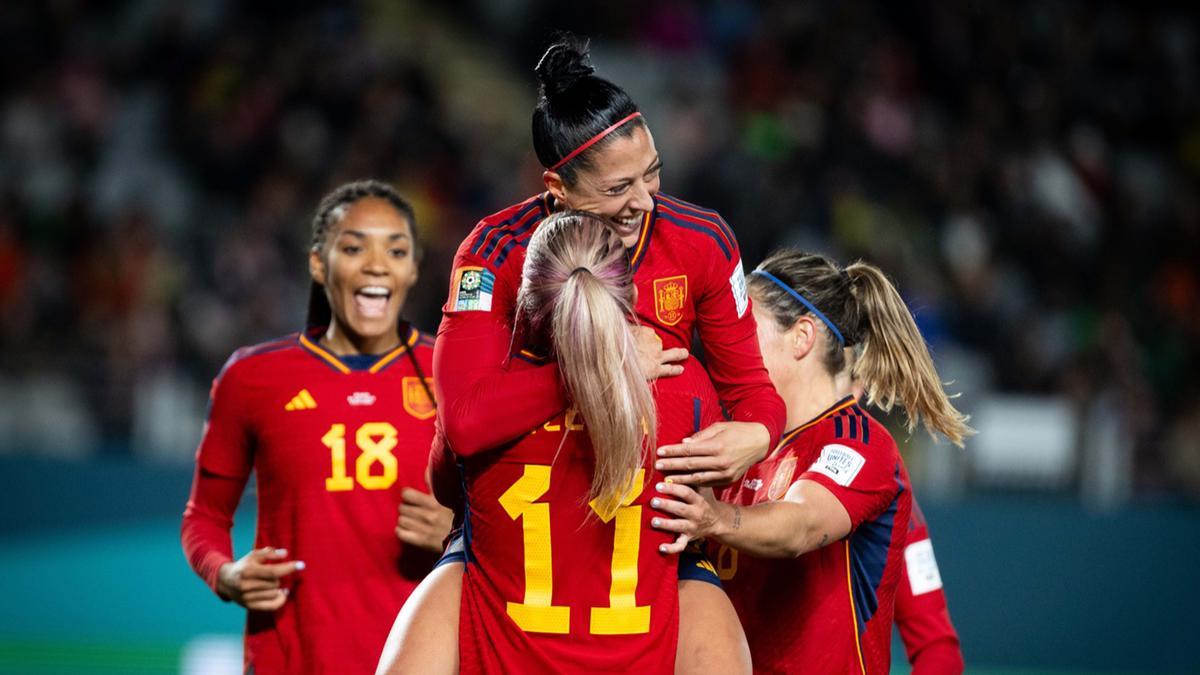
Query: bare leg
424	638
711	639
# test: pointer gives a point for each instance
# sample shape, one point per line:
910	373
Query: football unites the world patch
473	288
670	297
737	281
839	463
923	575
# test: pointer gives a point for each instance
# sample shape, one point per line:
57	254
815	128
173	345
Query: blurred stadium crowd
1028	172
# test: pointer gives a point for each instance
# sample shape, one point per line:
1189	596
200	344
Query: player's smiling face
620	184
367	268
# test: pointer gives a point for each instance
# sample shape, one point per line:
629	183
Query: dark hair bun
563	64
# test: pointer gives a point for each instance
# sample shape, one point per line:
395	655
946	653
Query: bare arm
807	518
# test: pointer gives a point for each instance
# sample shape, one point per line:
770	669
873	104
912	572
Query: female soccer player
599	157
922	617
824	518
587	590
336	422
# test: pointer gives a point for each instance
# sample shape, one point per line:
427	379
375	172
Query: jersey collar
638	252
330	359
830	411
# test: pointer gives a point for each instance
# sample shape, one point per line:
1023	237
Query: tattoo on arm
737	517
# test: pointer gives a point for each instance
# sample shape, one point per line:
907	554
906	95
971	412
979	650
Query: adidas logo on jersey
361	398
301	401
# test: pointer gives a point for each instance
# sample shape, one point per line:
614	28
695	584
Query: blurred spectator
1027	172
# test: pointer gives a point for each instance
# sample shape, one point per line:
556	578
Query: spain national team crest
783	479
416	398
670	297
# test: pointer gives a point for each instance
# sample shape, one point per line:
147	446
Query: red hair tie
593	140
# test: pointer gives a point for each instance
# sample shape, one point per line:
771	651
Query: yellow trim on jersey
391	356
643	240
301	401
853	612
379	365
790	436
536	358
325	356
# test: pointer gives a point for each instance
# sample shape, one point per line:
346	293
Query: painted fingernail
661	486
655	522
654	502
662	548
658	465
660	452
299	565
281	552
286	591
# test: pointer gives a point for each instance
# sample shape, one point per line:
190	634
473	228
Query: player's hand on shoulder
254	580
423	522
716	455
657	362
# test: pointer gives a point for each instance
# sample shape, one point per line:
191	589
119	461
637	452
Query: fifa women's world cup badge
472	292
670	297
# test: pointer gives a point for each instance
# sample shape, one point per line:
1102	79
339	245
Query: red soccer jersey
331	447
553	586
688	272
830	610
922	616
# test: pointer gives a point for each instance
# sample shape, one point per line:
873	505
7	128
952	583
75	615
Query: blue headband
811	307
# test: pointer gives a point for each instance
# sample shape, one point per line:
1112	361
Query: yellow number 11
536	614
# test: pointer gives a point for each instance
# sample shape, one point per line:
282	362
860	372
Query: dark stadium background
1028	172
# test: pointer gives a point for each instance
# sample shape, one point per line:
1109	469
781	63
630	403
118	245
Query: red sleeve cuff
772	422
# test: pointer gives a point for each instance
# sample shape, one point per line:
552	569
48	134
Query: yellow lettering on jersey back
570	419
623	616
536	614
727	562
572	415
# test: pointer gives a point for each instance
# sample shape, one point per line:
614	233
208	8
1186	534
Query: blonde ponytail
577	286
894	364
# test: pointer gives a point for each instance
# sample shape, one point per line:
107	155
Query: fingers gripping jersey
554	584
830	610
